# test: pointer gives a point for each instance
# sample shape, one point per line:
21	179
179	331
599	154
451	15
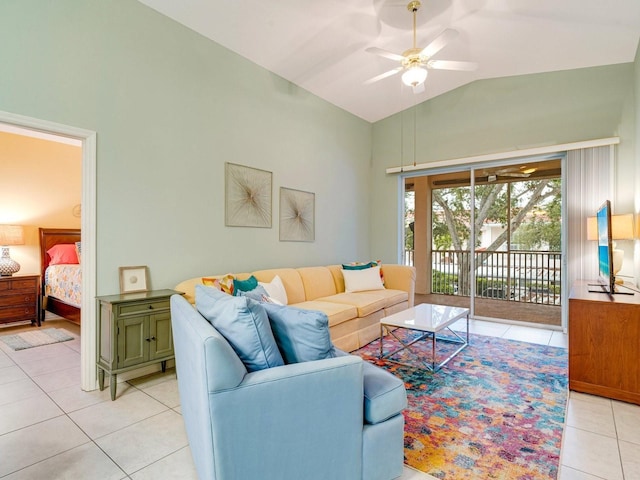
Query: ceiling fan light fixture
414	76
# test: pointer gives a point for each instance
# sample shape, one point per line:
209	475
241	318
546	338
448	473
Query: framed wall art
247	196
134	279
297	215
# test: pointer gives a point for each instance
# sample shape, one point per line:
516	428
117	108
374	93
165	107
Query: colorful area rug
36	338
495	411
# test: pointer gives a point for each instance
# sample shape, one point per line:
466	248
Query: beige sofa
353	317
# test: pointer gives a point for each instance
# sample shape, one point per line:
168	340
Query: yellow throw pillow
224	284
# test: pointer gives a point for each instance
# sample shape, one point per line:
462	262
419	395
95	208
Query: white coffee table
429	319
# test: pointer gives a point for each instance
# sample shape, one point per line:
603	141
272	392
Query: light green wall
170	108
501	115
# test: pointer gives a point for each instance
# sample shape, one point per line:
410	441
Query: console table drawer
138	308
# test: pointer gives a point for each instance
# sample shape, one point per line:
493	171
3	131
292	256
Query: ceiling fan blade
439	43
516	175
452	65
385	54
383	75
418	88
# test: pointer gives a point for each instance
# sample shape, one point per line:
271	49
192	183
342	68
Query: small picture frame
134	279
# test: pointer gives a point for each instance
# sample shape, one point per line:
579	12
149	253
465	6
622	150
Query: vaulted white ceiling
320	44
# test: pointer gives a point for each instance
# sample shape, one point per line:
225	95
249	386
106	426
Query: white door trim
88	334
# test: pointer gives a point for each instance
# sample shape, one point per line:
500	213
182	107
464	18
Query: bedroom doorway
87	140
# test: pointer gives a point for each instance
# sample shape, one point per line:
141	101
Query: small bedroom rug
36	338
495	411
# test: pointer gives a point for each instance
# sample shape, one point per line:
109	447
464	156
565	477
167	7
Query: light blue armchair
338	418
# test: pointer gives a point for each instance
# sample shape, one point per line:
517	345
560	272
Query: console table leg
113	384
101	379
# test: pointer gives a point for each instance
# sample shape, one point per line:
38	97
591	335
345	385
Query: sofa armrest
305	407
400	277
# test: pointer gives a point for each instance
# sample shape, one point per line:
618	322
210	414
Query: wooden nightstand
20	299
134	330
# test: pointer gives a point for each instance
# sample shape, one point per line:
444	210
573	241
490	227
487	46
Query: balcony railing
517	276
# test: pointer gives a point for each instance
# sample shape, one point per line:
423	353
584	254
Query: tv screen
605	250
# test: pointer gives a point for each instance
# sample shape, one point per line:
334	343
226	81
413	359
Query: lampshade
414	76
621	227
9	235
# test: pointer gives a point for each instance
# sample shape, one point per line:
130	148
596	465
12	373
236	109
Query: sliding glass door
502	257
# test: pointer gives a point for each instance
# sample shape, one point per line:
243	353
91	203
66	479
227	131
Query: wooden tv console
604	344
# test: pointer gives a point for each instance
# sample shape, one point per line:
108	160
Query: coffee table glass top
426	317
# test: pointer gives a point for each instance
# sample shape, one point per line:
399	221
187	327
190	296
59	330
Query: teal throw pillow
243	323
359	266
244	285
301	335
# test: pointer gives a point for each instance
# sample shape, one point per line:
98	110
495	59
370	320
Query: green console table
134	330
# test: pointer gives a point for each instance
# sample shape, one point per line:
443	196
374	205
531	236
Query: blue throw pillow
301	335
243	323
258	294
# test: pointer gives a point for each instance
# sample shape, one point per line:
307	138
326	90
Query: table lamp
9	235
621	229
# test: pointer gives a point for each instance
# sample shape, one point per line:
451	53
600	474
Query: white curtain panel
589	180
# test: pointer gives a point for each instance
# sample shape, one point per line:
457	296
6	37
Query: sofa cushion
365	302
362	280
337	312
243	323
290	279
301	335
318	282
384	393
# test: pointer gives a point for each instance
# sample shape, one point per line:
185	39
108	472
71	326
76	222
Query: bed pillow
63	253
361	280
243	323
301	335
79	251
276	290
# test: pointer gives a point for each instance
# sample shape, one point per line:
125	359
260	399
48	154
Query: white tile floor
51	429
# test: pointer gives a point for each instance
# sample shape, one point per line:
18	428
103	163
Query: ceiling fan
521	172
415	61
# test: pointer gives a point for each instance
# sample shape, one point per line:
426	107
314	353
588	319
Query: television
606	277
605	247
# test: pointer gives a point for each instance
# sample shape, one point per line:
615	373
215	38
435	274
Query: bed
61	280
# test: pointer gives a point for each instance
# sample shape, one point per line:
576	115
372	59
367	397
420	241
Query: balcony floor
500	309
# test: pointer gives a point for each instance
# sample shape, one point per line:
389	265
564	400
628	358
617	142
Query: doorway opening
87	139
489	239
